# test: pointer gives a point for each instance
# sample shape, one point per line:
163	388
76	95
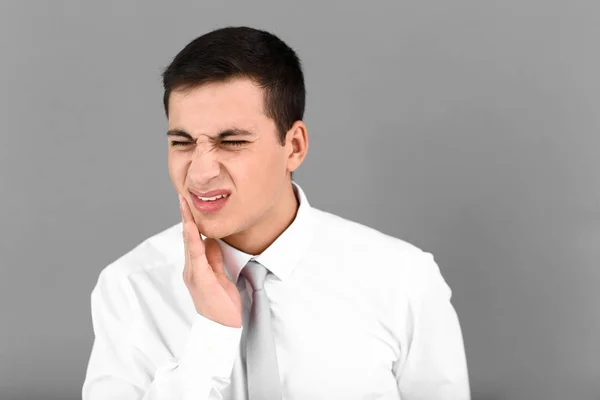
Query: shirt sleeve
120	370
434	365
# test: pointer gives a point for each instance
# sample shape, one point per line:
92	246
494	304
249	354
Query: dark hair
238	52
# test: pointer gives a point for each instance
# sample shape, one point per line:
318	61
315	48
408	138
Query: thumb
214	256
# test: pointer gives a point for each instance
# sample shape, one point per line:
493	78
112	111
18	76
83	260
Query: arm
434	366
119	369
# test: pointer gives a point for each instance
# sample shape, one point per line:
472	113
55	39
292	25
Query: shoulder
162	250
346	234
404	263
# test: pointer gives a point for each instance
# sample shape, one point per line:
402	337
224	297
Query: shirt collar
282	256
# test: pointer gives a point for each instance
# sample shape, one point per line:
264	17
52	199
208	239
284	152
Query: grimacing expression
220	138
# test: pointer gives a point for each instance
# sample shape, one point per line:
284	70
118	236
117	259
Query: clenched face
221	142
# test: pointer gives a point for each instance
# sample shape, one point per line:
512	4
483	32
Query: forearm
128	361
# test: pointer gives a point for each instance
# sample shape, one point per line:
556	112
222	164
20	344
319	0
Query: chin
215	230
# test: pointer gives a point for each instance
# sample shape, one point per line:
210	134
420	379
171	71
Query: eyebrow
221	135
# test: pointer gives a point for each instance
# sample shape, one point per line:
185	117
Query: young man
257	295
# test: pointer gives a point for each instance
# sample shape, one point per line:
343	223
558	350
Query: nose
204	166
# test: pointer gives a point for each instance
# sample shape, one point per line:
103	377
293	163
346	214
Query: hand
215	296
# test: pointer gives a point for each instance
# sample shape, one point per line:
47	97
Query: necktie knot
255	273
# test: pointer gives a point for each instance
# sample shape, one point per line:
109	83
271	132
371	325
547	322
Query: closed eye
180	143
234	142
225	142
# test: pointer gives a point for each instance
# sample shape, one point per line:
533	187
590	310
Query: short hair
243	52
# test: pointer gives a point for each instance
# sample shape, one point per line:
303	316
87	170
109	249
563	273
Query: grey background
469	128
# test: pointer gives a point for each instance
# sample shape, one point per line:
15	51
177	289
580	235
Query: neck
261	235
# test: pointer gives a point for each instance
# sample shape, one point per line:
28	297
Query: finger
186	213
195	245
214	256
186	267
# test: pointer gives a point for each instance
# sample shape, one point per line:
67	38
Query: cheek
264	168
245	166
254	174
177	169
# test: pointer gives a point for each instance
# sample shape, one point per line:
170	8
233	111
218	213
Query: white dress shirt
356	314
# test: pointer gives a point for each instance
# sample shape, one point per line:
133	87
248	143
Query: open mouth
210	204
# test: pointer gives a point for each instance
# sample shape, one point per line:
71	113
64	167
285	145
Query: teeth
213	198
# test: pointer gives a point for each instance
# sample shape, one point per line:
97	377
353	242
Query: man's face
249	162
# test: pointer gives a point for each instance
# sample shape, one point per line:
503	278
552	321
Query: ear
296	143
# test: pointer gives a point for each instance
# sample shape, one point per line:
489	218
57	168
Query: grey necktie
262	369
